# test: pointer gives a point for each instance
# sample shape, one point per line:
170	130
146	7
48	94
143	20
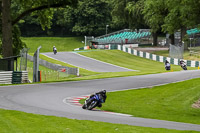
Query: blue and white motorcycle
93	101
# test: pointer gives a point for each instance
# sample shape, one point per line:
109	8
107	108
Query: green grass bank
20	122
172	102
47	43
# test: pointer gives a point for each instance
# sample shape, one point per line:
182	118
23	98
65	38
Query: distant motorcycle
167	65
183	65
55	52
95	100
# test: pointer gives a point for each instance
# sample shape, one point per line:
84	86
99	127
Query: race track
87	63
49	99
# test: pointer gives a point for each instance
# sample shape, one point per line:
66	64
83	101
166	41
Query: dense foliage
13	12
90	17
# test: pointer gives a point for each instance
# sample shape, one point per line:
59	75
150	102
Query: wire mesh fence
57	67
50	75
176	51
23	59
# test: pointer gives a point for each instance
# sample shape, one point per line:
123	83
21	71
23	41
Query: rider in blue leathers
102	95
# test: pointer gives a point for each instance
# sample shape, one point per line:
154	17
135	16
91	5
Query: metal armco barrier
16	77
6	77
19	77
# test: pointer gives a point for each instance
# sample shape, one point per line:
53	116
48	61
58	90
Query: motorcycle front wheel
92	105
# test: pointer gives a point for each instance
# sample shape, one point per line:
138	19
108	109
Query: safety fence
154	57
64	69
20	77
13	77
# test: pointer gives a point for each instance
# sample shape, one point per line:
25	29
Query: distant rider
181	62
54	50
183	65
167	65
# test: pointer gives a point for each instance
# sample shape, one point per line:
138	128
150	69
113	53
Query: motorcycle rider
54	50
167	65
183	64
102	95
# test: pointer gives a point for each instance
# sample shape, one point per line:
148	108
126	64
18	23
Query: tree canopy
90	17
14	10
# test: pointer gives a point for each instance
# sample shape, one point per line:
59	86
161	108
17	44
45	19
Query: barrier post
40	76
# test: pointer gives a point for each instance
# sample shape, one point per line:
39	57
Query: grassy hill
171	102
47	43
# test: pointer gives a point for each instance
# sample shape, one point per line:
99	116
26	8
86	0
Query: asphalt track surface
50	98
87	63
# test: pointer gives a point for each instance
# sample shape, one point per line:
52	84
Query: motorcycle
167	66
184	66
55	52
93	101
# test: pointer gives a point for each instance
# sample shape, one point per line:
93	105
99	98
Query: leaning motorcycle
184	66
92	102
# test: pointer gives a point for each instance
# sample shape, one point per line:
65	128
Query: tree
172	15
6	29
173	20
135	9
40	8
128	13
120	16
154	14
89	18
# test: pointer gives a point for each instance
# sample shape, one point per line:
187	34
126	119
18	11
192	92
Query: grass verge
15	122
171	102
47	43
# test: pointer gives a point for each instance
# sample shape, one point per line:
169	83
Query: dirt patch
152	49
196	104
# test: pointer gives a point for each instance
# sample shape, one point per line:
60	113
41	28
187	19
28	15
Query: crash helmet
104	91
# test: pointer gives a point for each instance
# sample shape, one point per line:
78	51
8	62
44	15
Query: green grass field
130	61
20	122
171	102
47	43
